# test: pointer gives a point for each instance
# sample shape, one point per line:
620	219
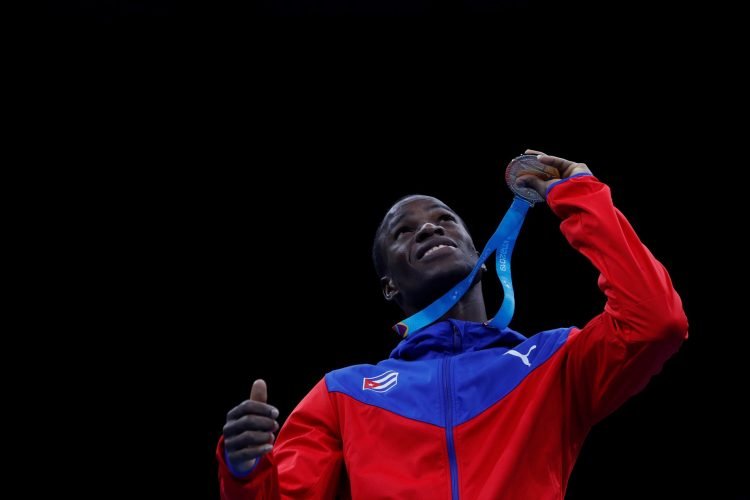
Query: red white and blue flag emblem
382	383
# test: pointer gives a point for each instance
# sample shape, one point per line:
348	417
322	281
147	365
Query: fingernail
267	447
274	413
539	157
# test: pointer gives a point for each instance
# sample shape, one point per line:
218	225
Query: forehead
414	204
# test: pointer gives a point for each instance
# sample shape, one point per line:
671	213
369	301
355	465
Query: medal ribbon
502	243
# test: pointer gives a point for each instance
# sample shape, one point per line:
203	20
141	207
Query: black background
249	183
225	11
258	265
304	255
283	286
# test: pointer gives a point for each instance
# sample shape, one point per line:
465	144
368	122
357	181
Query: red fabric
525	445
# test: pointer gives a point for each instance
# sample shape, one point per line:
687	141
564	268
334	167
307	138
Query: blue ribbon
502	242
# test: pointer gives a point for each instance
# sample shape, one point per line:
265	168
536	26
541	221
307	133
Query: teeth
431	250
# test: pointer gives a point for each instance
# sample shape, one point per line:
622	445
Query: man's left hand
566	168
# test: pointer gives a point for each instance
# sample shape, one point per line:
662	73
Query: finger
532	152
533	182
259	392
555	161
248	454
249	423
248	439
248	407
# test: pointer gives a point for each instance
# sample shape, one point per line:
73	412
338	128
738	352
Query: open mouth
434	248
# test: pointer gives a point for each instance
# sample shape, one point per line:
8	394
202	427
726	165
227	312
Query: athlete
462	409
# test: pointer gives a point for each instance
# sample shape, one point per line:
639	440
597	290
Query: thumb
533	182
259	392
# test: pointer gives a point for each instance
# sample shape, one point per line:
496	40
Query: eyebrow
395	222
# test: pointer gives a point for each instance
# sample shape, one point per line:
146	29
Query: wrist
562	181
240	474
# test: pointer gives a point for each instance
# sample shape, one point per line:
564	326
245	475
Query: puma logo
524	357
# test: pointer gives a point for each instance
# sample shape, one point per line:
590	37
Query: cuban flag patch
382	383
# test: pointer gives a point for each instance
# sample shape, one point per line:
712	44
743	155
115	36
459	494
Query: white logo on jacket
524	357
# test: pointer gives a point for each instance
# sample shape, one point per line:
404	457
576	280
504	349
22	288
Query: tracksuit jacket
462	410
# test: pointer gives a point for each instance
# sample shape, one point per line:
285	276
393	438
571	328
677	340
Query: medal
528	164
501	244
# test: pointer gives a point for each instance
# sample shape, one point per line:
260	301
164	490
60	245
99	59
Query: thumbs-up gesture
249	431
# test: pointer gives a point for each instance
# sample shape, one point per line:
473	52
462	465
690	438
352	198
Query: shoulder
354	378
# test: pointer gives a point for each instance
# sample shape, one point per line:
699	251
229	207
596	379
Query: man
461	409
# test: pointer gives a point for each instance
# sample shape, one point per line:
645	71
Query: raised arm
643	322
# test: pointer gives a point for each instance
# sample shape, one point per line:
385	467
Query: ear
389	288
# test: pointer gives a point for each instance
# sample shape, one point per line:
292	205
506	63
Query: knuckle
247	437
257	423
259	437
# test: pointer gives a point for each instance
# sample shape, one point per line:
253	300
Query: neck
470	307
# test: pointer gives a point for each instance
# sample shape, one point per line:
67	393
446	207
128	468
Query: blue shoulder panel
408	388
482	378
413	389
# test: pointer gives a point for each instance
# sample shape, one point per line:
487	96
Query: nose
427	230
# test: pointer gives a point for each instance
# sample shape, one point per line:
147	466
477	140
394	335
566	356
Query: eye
401	230
447	217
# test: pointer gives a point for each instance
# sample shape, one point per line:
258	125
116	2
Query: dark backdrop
237	168
247	196
226	11
279	282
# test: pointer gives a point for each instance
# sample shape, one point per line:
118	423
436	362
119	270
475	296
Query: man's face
426	249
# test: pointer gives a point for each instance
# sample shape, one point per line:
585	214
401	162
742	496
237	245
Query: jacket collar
451	337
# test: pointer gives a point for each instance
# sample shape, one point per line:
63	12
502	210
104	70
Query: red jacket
461	410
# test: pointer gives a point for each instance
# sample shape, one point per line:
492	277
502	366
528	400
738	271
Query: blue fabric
448	403
500	373
503	241
415	380
481	372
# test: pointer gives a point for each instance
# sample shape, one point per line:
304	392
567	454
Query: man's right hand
249	431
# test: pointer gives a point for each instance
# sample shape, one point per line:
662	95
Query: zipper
447	394
457	340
